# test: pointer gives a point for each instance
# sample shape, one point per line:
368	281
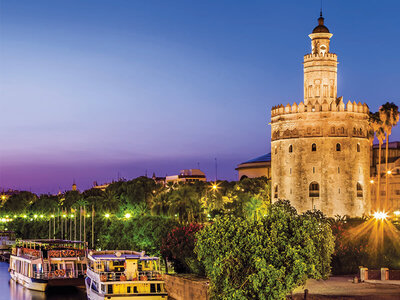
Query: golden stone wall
295	166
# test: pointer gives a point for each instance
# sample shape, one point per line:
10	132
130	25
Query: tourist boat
38	264
124	275
7	240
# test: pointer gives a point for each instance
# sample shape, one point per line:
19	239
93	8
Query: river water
9	290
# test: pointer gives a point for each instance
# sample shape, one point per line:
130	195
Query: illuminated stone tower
320	67
320	147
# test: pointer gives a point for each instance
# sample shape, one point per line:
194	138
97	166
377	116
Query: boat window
128	290
135	289
94	287
109	289
152	288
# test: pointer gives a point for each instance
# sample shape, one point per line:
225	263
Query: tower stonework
320	149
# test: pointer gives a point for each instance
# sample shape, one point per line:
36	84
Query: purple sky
93	89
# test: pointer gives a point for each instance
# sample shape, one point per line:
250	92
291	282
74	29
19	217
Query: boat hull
43	284
93	295
32	284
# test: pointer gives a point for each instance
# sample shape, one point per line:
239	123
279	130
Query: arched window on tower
314	189
276	192
338	147
313	147
359	190
290	148
358	148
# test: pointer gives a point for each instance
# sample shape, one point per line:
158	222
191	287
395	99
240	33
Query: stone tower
320	147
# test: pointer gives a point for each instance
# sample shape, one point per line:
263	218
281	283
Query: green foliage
265	258
142	233
178	247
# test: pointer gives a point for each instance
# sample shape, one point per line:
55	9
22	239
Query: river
9	290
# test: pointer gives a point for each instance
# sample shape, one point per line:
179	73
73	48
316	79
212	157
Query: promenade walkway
342	287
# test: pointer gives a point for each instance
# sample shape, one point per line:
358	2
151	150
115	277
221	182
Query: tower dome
321	28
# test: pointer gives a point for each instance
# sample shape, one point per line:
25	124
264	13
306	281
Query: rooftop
262	158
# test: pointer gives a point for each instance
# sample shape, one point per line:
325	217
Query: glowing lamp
128	215
41	216
389	172
35	216
52	216
380	215
107	215
371	181
396	213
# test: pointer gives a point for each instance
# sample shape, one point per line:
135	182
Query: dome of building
321	28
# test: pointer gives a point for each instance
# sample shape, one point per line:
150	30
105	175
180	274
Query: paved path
343	288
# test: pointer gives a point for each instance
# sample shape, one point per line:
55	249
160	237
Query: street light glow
396	213
107	215
127	215
380	215
371	181
389	172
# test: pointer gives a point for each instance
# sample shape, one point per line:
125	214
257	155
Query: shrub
266	258
178	247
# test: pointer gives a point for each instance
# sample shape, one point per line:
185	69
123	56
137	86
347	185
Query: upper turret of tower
320	67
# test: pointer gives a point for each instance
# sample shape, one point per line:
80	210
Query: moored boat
124	275
38	264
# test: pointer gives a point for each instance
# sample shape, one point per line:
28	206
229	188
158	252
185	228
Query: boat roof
49	242
119	255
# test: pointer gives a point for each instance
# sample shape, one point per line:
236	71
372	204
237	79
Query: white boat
124	275
38	264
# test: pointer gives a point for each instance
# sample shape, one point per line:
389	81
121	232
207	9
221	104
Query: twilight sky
93	89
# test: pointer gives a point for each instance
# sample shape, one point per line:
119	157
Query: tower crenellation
320	145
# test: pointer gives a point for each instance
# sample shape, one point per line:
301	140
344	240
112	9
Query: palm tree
389	114
160	204
376	124
185	204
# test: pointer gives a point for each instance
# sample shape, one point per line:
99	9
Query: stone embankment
186	286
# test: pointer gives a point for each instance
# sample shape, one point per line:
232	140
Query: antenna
321	10
216	170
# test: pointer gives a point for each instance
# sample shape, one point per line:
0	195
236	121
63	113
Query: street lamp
107	215
380	215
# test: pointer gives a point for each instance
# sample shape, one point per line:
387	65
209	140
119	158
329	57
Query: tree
160	204
376	124
265	259
185	203
178	247
19	203
389	114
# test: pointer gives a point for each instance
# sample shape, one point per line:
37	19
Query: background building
188	175
394	176
256	167
320	149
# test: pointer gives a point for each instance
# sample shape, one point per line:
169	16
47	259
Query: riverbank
342	287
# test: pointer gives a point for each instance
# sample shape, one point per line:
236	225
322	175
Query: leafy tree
178	247
19	203
265	259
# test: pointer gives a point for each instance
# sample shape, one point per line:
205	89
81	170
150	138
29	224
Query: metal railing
129	276
59	274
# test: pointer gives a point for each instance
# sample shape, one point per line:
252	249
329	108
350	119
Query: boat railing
59	274
130	276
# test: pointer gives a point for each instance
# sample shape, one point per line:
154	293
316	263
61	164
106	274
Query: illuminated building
187	175
256	167
320	151
394	176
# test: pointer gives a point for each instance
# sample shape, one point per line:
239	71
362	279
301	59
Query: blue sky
93	89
